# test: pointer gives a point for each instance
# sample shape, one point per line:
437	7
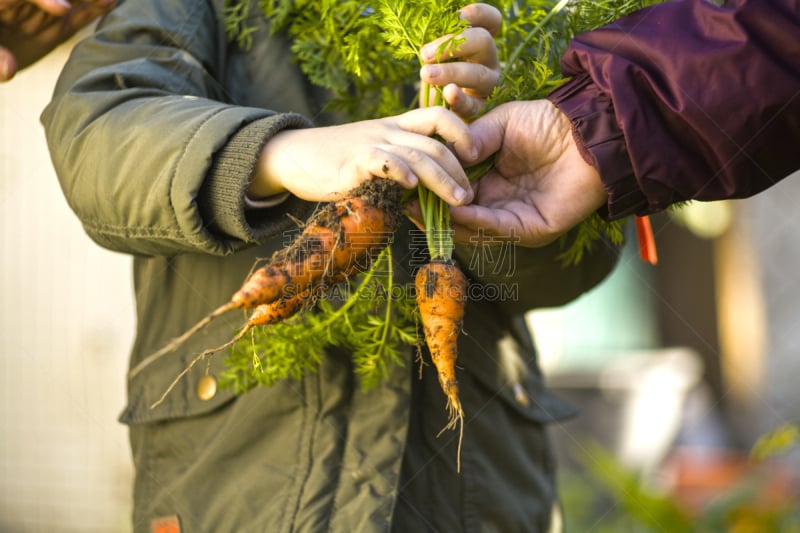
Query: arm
156	159
149	154
687	100
680	101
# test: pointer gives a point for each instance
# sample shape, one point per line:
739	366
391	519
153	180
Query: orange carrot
441	292
341	239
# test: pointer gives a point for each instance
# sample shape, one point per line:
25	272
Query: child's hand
469	80
322	164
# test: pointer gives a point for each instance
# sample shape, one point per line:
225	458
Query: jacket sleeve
150	152
687	100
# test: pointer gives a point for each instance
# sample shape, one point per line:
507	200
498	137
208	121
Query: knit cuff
601	143
222	198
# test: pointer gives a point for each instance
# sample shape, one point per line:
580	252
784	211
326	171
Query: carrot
441	290
341	239
263	315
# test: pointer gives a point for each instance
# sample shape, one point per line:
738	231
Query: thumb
8	64
488	131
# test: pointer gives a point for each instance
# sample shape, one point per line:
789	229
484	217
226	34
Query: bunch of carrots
327	252
324	254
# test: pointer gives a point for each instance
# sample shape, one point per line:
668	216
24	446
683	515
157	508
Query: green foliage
375	321
585	16
366	54
236	28
409	24
606	497
654	511
587	234
777	441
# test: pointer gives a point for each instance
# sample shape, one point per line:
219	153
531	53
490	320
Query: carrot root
263	315
340	240
176	343
441	290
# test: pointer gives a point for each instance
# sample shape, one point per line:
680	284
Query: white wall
66	324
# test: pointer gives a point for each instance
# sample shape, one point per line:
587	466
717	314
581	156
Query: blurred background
66	324
686	375
679	369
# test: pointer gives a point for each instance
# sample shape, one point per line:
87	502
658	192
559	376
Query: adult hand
323	164
30	29
472	69
540	186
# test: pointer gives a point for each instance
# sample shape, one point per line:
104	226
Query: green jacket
154	129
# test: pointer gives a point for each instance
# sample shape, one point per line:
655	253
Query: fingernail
63	4
413	180
428	53
433	71
459	195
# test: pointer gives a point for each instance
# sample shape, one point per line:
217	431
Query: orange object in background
699	477
647	241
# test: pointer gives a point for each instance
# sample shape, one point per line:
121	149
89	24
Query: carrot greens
367	56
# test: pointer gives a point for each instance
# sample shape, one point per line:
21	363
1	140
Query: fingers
469	66
432	164
476	78
411	165
436	120
465	106
477	224
487	133
8	64
476	46
483	16
54	7
428	159
414	214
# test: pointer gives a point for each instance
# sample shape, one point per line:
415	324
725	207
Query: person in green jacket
160	131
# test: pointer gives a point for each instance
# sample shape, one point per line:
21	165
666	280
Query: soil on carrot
340	239
380	194
441	290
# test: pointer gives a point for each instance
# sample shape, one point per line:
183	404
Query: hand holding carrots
468	73
540	186
322	164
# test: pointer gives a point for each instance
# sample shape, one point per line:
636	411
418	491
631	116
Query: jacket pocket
511	374
508	465
195	393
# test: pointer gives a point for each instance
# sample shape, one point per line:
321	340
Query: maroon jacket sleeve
687	100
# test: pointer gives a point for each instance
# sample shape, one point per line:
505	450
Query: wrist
271	168
601	143
266	181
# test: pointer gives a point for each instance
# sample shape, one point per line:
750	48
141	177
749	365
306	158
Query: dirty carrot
441	292
341	239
